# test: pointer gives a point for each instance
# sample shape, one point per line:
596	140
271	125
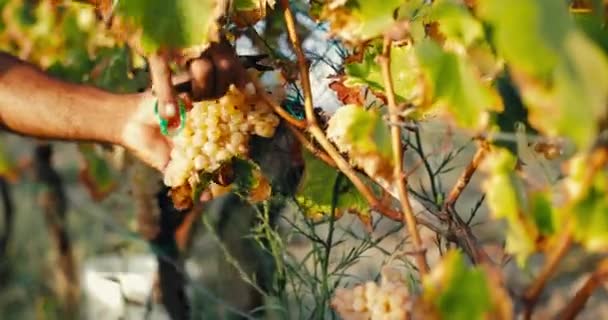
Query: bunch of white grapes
372	302
217	131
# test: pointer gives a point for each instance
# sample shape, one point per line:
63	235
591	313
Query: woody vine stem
318	134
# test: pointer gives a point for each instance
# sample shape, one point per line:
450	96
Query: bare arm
35	104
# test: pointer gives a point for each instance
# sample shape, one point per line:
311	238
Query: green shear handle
164	123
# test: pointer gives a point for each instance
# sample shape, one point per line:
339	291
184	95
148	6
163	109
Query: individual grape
222	155
215	132
191	152
237	138
210	148
200	162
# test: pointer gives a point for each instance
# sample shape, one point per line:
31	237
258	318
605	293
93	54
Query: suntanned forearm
35	104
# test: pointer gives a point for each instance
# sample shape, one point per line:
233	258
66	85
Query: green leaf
245	5
575	103
115	75
505	196
359	20
562	74
365	136
581	92
173	24
589	207
458	291
528	34
368	73
456	87
455	21
593	27
367	132
315	192
545	217
375	16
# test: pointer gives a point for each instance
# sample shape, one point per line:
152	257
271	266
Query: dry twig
466	175
555	256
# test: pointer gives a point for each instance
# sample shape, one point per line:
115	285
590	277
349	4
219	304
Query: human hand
211	75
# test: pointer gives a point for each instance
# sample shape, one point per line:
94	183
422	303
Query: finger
203	78
161	82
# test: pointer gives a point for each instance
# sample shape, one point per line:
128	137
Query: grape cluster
372	302
215	132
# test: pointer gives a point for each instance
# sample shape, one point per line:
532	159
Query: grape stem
399	177
313	126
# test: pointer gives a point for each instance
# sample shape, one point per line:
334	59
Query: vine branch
597	159
555	256
313	126
466	176
398	175
584	293
305	141
277	108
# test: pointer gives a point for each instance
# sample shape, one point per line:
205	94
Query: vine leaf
589	206
528	33
529	215
592	25
546	218
365	137
359	20
455	87
455	22
112	72
315	192
248	12
562	74
367	73
172	24
375	16
451	287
